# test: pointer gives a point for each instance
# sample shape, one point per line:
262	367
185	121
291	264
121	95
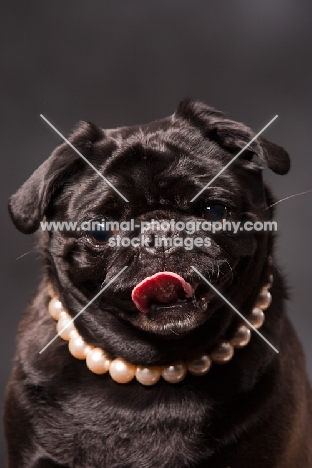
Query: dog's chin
168	320
173	320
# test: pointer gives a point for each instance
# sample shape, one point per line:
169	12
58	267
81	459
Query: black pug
142	384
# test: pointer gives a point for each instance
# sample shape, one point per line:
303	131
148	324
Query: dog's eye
98	234
215	212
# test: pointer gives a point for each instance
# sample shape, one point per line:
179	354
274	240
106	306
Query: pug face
158	307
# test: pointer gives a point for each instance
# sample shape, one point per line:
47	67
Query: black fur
255	411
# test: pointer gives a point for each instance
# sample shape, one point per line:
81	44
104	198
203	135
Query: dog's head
159	168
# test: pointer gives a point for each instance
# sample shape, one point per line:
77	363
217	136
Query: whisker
287	198
23	255
231	269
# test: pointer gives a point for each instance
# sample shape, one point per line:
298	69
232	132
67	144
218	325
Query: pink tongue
164	286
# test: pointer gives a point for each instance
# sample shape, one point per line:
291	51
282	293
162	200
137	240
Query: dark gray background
126	62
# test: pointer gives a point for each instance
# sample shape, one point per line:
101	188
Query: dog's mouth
169	305
163	288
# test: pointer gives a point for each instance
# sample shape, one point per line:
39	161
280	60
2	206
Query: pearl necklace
122	371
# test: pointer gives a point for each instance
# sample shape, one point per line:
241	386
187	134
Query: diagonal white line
84	308
235	310
235	157
82	156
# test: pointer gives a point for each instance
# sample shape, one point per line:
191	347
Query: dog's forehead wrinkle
146	141
81	197
187	152
191	143
143	133
185	142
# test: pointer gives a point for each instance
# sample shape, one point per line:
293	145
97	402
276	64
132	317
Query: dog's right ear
28	205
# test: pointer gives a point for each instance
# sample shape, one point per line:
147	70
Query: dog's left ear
28	205
274	156
232	135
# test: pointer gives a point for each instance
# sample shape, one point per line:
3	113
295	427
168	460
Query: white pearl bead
223	353
63	314
121	371
69	330
97	361
264	299
148	375
55	308
256	317
241	337
175	372
199	365
78	348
